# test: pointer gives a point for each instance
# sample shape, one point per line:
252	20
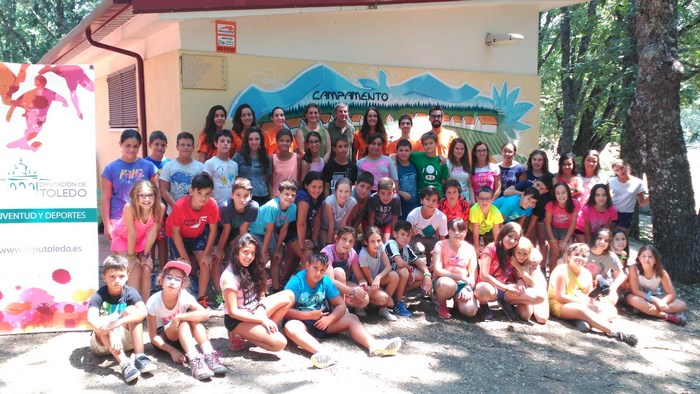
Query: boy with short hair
431	172
221	168
486	220
517	207
157	144
188	233
271	225
309	319
429	224
408	175
361	193
176	176
237	213
339	166
384	208
411	269
454	205
116	312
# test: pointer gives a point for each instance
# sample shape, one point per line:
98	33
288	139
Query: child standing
136	232
157	144
191	229
271	226
376	276
250	316
237	213
454	205
486	220
408	177
455	266
116	313
379	165
458	168
430	170
310	319
254	164
429	224
312	160
485	173
405	125
598	212
412	271
176	176
510	170
337	208
652	291
285	163
626	191
590	174
222	169
560	221
339	166
569	286
567	174
175	323
384	208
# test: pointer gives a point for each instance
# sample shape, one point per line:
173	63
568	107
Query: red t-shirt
192	223
505	275
461	210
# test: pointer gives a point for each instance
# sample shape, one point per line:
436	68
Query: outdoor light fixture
503	39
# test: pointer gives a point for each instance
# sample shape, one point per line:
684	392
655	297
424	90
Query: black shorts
231	323
313	330
176	344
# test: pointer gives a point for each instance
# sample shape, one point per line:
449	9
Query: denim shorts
191	244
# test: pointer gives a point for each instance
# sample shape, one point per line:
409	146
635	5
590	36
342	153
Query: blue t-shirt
123	175
114	306
408	182
272	213
509	176
314	207
159	164
311	298
510	208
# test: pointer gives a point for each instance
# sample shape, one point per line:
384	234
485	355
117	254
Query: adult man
340	126
445	136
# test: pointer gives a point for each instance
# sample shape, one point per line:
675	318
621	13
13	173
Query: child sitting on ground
376	276
175	323
116	314
531	283
311	319
412	271
343	264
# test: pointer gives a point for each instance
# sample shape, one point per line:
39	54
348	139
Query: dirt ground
438	356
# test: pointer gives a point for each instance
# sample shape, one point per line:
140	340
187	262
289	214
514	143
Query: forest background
624	73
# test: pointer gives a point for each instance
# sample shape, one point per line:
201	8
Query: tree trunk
655	118
568	92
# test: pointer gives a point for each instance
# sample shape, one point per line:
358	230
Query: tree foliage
29	28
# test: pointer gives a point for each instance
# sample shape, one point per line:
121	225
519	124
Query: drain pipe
140	88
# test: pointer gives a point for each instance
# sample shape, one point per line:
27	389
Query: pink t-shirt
505	275
485	176
560	217
595	219
120	235
451	259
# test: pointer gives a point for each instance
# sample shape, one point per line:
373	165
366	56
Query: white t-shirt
163	315
373	263
247	300
223	173
180	178
624	195
338	211
430	227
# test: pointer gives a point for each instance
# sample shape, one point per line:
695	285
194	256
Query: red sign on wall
225	36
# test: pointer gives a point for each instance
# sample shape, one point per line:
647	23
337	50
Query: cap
181	265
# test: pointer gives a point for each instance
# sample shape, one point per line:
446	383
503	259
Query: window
121	87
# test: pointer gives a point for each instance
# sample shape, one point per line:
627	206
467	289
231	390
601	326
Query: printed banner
48	210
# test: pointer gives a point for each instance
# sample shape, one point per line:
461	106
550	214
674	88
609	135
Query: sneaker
507	309
129	371
213	362
401	310
384	312
322	360
200	371
387	347
582	326
678	319
204	302
144	364
443	311
236	342
360	312
602	288
629	339
485	312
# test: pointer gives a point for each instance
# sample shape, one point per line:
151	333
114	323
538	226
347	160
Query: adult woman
119	176
458	166
270	131
510	170
372	124
212	124
243	118
312	122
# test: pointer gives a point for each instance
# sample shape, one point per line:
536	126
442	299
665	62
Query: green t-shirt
430	171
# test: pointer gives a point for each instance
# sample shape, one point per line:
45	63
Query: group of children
220	222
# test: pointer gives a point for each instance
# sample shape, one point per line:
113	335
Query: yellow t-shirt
485	222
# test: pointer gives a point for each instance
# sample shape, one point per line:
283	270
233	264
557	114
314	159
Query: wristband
427	274
553	240
147	255
649	296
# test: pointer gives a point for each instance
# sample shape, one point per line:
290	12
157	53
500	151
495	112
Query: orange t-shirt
204	147
444	138
270	135
360	146
392	145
